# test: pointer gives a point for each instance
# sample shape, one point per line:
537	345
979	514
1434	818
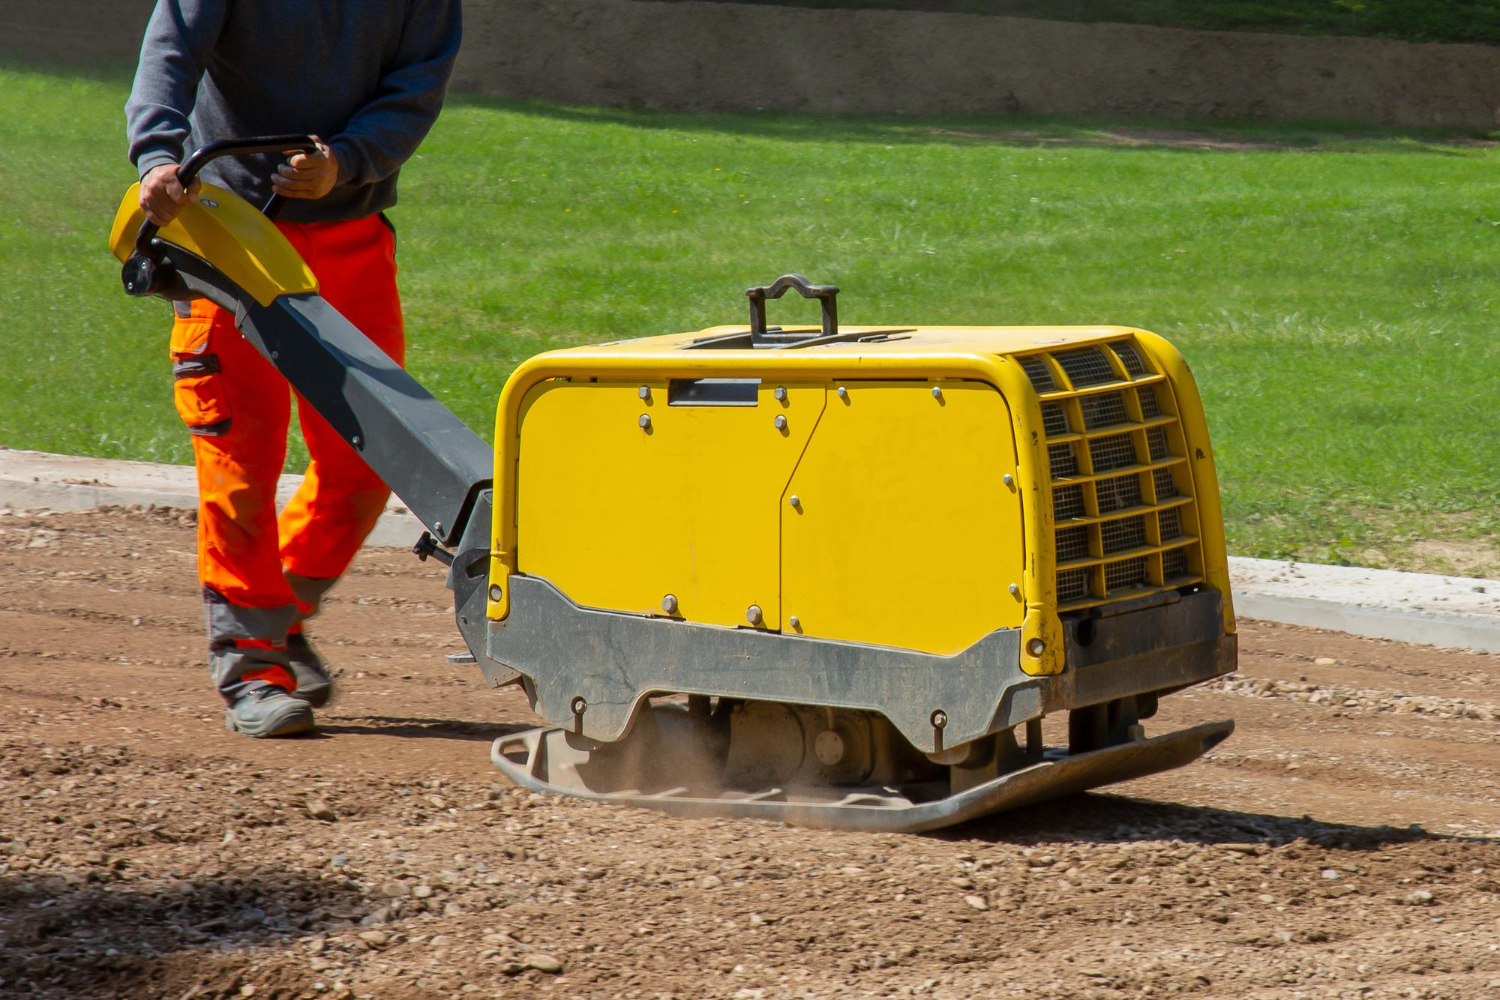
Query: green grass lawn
1337	298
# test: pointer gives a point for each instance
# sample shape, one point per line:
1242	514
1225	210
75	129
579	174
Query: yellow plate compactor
835	576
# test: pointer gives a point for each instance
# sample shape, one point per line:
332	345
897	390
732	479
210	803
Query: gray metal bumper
613	661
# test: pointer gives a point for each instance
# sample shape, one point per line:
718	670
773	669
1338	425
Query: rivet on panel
780	422
795	501
1014	590
937	393
1008	479
843	393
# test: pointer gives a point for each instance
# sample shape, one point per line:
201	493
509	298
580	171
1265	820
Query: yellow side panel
619	517
904	532
230	234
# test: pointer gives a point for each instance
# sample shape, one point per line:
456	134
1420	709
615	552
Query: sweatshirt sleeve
386	132
179	38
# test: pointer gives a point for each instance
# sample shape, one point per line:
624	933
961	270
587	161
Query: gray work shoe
268	710
314	684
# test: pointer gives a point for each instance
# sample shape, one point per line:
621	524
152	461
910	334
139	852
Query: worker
367	80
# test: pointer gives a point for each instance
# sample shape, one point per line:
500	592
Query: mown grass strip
1334	289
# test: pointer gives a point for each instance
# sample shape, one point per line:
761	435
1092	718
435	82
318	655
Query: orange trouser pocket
198	388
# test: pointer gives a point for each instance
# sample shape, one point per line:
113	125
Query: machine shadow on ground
61	935
417	728
1110	819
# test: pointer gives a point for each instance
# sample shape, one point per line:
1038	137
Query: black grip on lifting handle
825	294
203	155
147	271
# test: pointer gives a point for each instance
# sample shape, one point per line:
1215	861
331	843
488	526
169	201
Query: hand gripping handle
826	294
146	271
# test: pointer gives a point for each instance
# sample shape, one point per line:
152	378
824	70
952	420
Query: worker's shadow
1104	818
412	728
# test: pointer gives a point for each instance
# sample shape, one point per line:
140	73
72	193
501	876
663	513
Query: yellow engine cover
908	487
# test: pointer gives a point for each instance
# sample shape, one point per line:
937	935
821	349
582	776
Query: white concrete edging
1386	604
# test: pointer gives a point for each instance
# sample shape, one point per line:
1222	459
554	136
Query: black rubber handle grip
827	295
203	155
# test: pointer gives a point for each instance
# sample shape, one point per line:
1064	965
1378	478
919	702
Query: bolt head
780	422
1008	479
645	421
780	394
496	593
579	705
795	622
937	392
843	393
939	718
669	604
1015	591
753	614
794	500
356	441
644	392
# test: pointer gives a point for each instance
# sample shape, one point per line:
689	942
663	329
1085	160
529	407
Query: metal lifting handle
825	294
203	155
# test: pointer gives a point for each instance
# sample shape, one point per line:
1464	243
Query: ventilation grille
1114	452
1104	410
1067	501
1123	535
1086	366
1156	439
1054	419
1150	405
1129	358
1063	461
1072	584
1119	493
1041	376
1119	515
1125	574
1072	543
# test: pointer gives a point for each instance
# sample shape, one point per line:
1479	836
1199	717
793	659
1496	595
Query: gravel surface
1345	842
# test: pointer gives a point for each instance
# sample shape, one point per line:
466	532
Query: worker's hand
307	175
162	195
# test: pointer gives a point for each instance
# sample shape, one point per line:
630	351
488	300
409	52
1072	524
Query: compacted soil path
1345	842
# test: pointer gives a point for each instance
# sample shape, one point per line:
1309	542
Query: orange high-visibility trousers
238	409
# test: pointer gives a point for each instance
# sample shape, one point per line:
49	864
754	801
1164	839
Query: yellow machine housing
907	487
830	577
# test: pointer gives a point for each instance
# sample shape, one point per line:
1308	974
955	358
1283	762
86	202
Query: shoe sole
293	722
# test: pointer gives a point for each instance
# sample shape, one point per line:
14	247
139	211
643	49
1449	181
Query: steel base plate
556	761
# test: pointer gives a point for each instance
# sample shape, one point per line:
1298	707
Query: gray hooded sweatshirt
366	76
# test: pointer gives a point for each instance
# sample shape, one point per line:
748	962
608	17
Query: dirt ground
1345	842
